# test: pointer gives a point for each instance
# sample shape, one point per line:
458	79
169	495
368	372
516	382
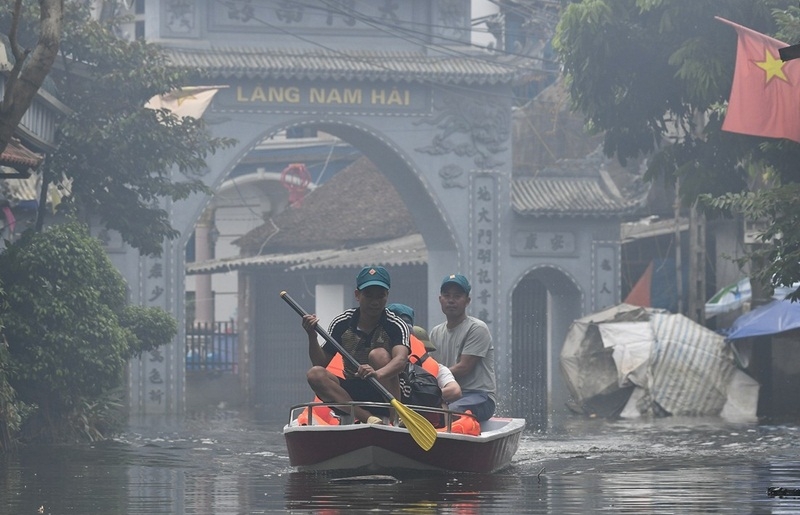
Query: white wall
331	300
480	36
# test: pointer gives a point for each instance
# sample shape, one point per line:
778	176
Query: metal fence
212	347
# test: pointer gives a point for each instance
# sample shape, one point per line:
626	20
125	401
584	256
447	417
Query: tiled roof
16	155
324	64
579	187
408	250
357	206
569	197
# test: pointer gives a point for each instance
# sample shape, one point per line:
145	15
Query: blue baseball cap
402	310
458	279
373	276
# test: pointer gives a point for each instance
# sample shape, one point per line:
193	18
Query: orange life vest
466	424
418	352
322	414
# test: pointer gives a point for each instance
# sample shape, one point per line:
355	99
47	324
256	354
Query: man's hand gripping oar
421	430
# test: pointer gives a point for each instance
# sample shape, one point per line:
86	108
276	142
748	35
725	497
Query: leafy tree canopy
30	65
654	76
638	68
124	160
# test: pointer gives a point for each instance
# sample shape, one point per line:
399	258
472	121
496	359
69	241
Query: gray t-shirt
471	337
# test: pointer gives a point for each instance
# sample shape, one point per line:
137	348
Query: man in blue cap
464	344
377	338
420	346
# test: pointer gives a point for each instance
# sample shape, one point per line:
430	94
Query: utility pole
678	271
697	265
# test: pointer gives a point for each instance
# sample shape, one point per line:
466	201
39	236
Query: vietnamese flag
765	96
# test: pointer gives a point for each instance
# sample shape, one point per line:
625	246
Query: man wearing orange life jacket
420	347
376	339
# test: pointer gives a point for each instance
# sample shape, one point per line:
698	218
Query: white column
203	301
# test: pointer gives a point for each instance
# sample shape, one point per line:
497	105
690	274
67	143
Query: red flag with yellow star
765	96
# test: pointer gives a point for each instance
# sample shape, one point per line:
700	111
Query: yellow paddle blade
422	431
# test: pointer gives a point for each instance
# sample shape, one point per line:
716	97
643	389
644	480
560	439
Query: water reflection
230	463
427	492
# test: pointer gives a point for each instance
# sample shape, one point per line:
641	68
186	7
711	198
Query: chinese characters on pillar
153	364
604	275
483	252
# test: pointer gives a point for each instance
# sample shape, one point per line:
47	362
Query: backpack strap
419	359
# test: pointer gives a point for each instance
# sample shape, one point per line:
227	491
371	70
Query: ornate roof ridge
18	156
346	64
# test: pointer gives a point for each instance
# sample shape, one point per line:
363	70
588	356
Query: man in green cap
464	344
377	338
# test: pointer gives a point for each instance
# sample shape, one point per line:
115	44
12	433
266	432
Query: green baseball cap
373	276
458	279
402	310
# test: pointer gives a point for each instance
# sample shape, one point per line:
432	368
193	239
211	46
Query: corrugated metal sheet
691	366
408	250
29	189
650	227
319	64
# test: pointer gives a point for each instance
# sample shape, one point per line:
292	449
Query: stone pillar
203	251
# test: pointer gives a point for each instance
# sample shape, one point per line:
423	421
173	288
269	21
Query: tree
654	76
124	160
69	329
31	66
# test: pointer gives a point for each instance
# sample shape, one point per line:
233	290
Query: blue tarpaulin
773	318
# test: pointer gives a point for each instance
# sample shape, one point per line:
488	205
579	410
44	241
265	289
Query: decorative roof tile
565	197
407	250
580	187
329	64
324	222
17	156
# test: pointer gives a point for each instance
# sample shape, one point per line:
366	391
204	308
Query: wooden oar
422	431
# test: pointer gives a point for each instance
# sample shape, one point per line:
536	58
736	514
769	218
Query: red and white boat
315	444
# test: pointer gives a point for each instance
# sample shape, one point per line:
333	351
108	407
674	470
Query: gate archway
454	201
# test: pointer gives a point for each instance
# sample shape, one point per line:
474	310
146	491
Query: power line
452	88
420	37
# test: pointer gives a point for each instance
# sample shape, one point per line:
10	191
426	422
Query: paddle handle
328	338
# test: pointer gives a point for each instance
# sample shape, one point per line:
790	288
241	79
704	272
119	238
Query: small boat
318	441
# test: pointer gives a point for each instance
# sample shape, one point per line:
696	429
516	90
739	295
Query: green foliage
780	252
788	20
12	412
69	330
641	71
151	327
655	75
125	161
61	323
93	420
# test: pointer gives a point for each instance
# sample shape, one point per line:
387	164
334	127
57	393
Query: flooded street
230	463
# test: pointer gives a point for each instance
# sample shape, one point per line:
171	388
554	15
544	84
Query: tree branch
30	67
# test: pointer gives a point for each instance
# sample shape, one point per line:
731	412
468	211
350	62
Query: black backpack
419	387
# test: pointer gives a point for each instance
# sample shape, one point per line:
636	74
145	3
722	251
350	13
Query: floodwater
231	463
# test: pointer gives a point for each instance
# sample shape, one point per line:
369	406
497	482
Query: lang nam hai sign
328	97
